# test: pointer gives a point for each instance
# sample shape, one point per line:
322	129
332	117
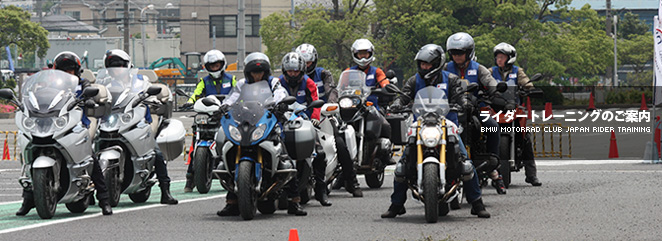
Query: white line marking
38	225
586	162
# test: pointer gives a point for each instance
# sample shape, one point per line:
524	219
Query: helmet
309	54
432	54
68	61
211	57
117	58
256	62
293	61
363	44
506	49
461	42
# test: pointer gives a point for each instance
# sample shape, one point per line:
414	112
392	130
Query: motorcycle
206	123
440	168
56	152
362	127
253	163
510	153
126	143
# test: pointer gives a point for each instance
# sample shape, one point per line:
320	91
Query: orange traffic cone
190	154
294	235
658	135
528	107
613	148
591	105
548	109
643	102
5	152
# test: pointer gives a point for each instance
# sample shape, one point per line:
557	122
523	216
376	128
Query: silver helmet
293	61
363	44
309	54
211	57
461	42
433	54
508	50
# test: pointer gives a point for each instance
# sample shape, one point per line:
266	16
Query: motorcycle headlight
431	136
258	132
61	121
201	119
346	103
234	133
126	117
111	121
28	123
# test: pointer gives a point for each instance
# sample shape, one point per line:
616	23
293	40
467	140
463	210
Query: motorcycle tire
142	196
45	197
114	186
247	195
266	207
504	156
79	206
431	184
203	166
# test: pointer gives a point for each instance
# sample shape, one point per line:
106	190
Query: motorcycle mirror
89	92
472	87
315	104
180	92
536	93
208	102
536	77
220	97
288	100
390	74
392	88
6	94
502	87
153	90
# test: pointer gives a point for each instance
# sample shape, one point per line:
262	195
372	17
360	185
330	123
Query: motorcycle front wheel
431	192
504	157
203	169
247	195
45	198
114	186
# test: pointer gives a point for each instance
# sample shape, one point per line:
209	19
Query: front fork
441	161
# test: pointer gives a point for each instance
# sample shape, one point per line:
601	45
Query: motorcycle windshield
119	82
430	100
252	103
511	93
352	82
47	91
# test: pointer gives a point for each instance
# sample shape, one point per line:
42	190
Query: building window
120	15
73	14
226	25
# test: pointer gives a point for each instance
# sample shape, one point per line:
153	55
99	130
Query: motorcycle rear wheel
79	206
431	192
203	169
266	207
504	156
247	194
45	197
142	196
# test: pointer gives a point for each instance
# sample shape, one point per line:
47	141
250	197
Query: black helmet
432	54
68	61
293	61
256	62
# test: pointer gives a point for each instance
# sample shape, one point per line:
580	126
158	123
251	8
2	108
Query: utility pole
241	35
126	26
608	30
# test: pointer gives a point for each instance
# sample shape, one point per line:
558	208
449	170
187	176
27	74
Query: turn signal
331	108
369	103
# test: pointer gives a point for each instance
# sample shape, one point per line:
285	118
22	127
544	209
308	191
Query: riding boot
394	210
295	208
105	207
499	185
320	193
352	186
230	209
166	198
189	183
28	203
478	208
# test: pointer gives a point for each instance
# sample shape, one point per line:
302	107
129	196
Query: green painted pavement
8	218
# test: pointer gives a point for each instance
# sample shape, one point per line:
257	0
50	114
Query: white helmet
309	54
117	58
363	44
211	57
506	49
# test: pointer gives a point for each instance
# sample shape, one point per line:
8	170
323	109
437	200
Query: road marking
38	225
586	162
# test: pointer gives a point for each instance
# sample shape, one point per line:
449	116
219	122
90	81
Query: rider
327	91
462	49
304	89
217	82
258	68
117	58
429	60
505	70
70	62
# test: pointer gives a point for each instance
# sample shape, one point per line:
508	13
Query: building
646	9
198	18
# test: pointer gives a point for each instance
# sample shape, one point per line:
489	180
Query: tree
16	28
631	26
637	52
